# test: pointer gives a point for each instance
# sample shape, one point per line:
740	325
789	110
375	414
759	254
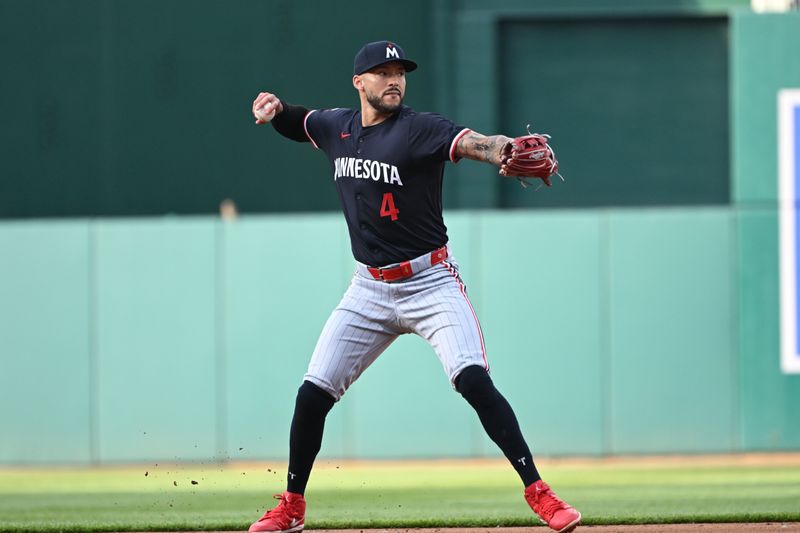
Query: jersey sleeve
434	136
323	125
289	122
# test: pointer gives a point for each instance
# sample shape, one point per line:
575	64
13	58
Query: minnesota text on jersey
352	167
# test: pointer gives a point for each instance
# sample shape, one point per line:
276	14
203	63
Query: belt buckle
404	271
377	273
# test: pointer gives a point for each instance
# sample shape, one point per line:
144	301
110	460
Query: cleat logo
294	522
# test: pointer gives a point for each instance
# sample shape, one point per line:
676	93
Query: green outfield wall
187	338
633	309
610	331
764	61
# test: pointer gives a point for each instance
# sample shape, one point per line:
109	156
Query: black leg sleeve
498	420
305	438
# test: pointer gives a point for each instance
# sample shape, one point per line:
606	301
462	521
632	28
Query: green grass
388	495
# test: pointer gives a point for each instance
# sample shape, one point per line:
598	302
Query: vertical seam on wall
733	195
606	339
220	311
736	443
91	274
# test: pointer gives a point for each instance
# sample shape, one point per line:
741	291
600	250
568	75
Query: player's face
385	86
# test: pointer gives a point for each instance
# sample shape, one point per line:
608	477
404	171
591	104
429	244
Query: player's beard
377	103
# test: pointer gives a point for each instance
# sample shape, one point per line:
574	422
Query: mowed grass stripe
436	494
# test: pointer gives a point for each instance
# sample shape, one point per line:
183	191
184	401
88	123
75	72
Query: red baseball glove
529	156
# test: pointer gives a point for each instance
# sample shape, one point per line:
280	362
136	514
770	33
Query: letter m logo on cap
391	51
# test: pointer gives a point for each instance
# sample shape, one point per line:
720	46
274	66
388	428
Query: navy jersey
389	179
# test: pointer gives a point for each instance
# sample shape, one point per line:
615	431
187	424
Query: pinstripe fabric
432	304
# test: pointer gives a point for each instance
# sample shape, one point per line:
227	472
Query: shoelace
283	501
549	504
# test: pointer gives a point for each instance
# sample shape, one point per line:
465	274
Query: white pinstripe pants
372	314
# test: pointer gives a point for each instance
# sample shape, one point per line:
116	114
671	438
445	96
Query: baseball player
387	162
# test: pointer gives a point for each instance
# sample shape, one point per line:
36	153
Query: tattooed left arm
479	147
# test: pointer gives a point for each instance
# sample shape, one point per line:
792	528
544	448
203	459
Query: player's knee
312	399
475	385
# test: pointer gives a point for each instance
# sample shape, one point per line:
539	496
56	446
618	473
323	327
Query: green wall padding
155	326
673	352
187	338
764	60
47	374
181	338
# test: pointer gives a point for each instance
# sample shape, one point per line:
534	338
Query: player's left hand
529	156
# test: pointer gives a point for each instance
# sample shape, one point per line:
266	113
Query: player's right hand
265	106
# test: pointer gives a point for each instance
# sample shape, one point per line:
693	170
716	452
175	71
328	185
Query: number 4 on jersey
387	206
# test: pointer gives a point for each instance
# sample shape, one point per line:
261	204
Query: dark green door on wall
638	108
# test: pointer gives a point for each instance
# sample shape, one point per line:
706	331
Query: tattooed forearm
475	146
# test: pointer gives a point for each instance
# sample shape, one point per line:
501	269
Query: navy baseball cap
373	54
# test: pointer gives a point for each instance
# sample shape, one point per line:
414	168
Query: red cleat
287	517
551	509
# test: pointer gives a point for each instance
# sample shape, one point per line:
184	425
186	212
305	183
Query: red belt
404	270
